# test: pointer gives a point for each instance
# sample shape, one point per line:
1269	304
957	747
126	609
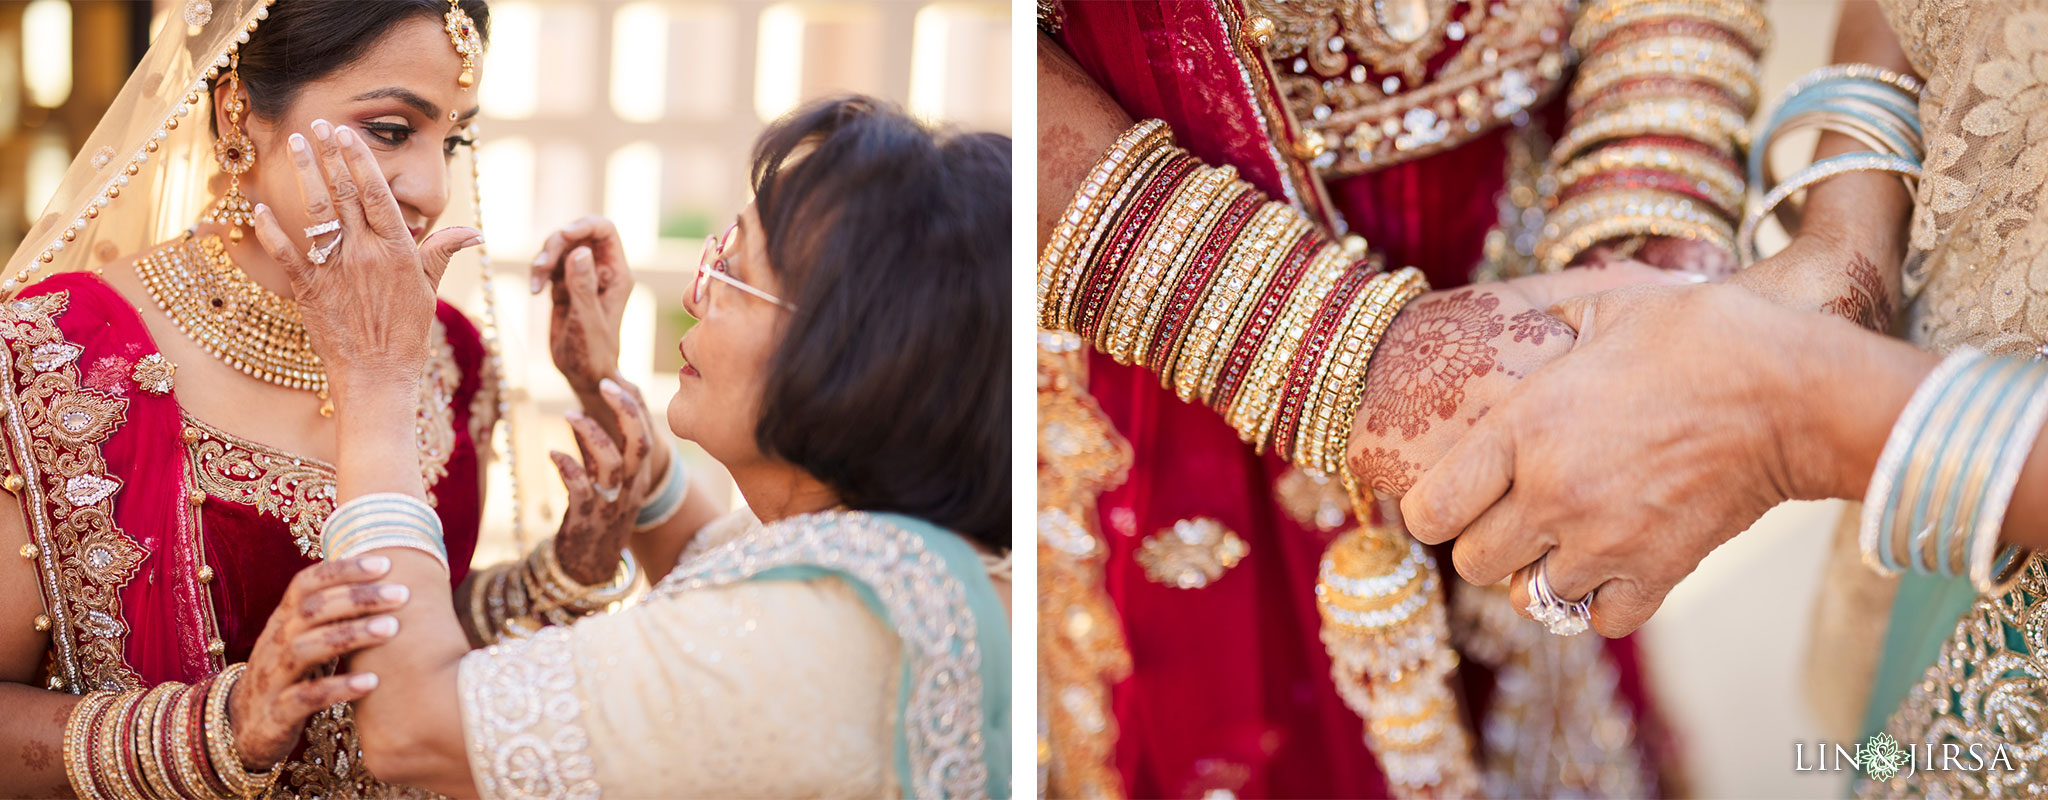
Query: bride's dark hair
305	40
892	381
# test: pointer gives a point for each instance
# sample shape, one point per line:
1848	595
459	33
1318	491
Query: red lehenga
1179	651
163	542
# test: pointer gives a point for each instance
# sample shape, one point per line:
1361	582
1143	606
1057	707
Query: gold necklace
215	304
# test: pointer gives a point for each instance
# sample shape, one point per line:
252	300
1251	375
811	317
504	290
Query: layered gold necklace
214	303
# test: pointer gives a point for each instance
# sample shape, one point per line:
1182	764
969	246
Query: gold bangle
1217	199
78	740
220	739
1715	178
1193	364
1342	386
1137	297
1562	252
1236	195
1602	19
1723	129
1722	65
113	768
1256	401
148	739
1259	268
1105	175
1063	268
550	587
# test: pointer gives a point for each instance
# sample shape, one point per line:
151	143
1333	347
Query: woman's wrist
1850	388
376	448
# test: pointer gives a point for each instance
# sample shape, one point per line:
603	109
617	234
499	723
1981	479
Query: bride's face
727	353
401	97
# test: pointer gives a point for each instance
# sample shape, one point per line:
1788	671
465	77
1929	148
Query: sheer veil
147	172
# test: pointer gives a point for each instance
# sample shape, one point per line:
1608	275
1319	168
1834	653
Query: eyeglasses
712	266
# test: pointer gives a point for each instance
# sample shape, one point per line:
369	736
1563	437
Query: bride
846	634
168	440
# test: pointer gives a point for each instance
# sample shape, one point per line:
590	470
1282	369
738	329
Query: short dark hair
892	382
305	40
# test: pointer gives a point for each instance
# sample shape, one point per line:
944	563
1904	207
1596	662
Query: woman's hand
367	308
606	490
1449	356
330	609
586	264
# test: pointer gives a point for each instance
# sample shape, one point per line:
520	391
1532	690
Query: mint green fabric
992	638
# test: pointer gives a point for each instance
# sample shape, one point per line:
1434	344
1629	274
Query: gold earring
468	43
236	155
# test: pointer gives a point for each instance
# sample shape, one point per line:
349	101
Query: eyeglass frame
712	265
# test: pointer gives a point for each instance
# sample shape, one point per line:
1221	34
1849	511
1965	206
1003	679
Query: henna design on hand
1385	471
1421	366
1866	302
1535	326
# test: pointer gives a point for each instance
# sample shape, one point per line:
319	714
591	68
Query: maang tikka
236	155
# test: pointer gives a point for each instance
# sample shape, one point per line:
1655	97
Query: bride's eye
449	144
389	133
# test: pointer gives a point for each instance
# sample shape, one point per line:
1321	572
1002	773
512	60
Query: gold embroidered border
1511	59
54	428
1081	648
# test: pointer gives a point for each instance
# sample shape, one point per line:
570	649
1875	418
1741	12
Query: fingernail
345	136
394	593
322	129
474	241
575	415
262	209
363	682
540	259
384	626
609	387
537	281
582	256
298	142
1693	277
375	565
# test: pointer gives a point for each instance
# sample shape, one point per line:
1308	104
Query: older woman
845	633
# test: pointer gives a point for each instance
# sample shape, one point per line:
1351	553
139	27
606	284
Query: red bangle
1195	284
1625	179
1107	270
1301	371
1246	348
1696	28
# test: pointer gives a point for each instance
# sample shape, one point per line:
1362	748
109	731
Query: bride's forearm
32	741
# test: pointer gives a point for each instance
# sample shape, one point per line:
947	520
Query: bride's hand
367	308
585	263
1451	355
606	489
329	610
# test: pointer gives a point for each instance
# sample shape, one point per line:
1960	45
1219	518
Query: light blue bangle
1899	111
1916	487
1881	500
383	520
1990	391
1991	573
675	486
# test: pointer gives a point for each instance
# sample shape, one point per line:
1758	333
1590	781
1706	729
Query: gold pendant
326	404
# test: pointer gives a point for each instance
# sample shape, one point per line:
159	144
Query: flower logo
1882	757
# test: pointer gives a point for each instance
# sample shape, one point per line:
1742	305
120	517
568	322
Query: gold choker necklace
216	304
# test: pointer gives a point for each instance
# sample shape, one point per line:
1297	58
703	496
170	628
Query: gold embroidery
1983	693
483	410
153	373
55	427
331	765
1192	554
1314	501
300	491
1558	725
1081	649
1354	72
